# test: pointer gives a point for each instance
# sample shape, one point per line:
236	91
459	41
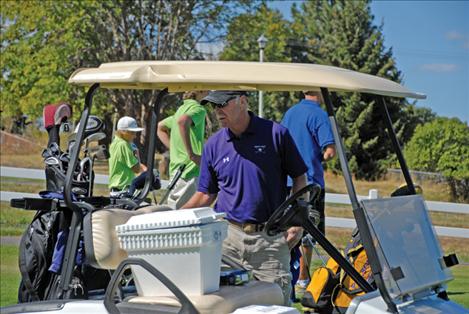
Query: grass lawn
9	274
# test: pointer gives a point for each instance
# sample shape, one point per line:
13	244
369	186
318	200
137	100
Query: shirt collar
251	129
308	101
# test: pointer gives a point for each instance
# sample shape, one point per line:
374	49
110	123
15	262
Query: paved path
10	241
39	174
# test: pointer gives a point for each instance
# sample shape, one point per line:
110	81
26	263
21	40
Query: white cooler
185	245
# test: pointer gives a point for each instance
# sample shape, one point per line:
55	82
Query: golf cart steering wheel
283	216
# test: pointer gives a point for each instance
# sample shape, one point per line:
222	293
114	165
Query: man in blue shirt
245	165
310	128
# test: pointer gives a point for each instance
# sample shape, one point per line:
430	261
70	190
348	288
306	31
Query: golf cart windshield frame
146	75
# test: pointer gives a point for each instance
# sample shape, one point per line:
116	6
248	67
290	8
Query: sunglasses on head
224	104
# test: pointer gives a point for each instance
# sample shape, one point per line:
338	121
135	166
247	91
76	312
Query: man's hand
200	199
293	236
195	158
329	152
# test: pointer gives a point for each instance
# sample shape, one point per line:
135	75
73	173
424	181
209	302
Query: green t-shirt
177	150
120	163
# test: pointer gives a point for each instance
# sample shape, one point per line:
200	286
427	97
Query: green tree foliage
442	146
43	42
38	48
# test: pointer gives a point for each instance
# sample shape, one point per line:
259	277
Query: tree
341	33
241	44
442	146
44	42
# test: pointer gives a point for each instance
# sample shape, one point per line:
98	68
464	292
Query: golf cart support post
177	76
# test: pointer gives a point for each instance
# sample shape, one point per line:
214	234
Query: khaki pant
267	257
182	192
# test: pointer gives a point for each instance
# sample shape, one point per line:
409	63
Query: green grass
13	221
9	274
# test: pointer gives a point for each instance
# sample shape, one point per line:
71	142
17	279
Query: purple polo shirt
249	173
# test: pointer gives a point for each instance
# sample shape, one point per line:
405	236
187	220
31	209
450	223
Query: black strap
22	265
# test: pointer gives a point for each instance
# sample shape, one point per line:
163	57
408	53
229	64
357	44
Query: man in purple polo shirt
245	165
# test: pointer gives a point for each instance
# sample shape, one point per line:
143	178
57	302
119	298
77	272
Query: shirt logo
259	149
226	159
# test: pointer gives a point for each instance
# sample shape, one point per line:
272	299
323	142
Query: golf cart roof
235	75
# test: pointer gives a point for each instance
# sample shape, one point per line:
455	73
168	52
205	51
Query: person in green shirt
124	161
183	134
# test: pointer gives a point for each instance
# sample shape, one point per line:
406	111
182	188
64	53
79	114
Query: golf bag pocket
319	291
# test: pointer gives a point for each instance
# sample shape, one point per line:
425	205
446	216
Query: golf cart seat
225	300
102	245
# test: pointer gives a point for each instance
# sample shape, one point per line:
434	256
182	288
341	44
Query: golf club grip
173	183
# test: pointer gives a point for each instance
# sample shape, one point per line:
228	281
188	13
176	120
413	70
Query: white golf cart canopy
233	75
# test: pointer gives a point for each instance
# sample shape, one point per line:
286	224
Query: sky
430	43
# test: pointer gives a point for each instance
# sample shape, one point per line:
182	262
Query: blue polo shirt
249	173
310	128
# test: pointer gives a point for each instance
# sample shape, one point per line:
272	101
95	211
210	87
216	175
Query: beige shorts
182	192
267	257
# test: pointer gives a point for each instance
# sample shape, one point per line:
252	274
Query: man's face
231	113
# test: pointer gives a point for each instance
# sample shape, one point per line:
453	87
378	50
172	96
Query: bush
443	146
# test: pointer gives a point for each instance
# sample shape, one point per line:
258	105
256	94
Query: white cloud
439	67
454	35
458	36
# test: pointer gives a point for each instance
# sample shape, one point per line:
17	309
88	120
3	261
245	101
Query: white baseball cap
128	124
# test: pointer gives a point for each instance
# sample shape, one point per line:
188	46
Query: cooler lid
171	219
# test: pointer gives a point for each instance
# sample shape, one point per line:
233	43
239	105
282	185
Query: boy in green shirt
183	134
124	162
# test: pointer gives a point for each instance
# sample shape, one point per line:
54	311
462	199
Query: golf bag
331	290
43	244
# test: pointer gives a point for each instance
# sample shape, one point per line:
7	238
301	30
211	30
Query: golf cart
406	259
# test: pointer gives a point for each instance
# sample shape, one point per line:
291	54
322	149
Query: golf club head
85	169
54	149
79	191
95	137
46	153
53	161
94	125
100	152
